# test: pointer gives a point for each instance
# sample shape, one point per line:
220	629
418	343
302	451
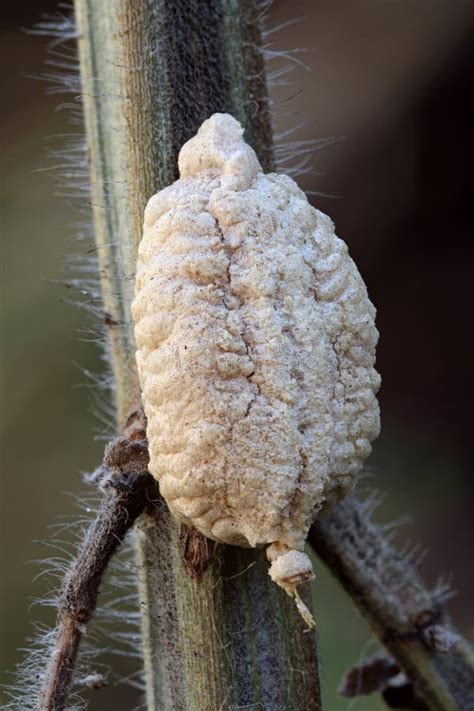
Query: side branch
410	621
128	489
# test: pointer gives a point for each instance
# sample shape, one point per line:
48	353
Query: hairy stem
409	620
128	489
224	636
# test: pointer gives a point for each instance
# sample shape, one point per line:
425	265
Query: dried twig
128	489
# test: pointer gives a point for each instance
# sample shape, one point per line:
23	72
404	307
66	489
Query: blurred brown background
394	79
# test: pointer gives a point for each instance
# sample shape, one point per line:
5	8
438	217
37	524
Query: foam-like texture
256	347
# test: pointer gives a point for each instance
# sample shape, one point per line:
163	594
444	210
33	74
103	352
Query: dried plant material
382	674
371	675
256	348
196	551
128	490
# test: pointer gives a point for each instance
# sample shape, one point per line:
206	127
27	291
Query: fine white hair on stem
106	637
294	156
114	632
115	629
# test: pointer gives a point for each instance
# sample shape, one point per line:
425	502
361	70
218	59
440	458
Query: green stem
151	72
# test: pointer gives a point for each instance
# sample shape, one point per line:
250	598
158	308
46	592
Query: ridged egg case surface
256	347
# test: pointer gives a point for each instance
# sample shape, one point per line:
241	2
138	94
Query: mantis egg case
256	348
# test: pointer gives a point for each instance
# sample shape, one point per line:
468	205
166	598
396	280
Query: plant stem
151	73
128	489
409	620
